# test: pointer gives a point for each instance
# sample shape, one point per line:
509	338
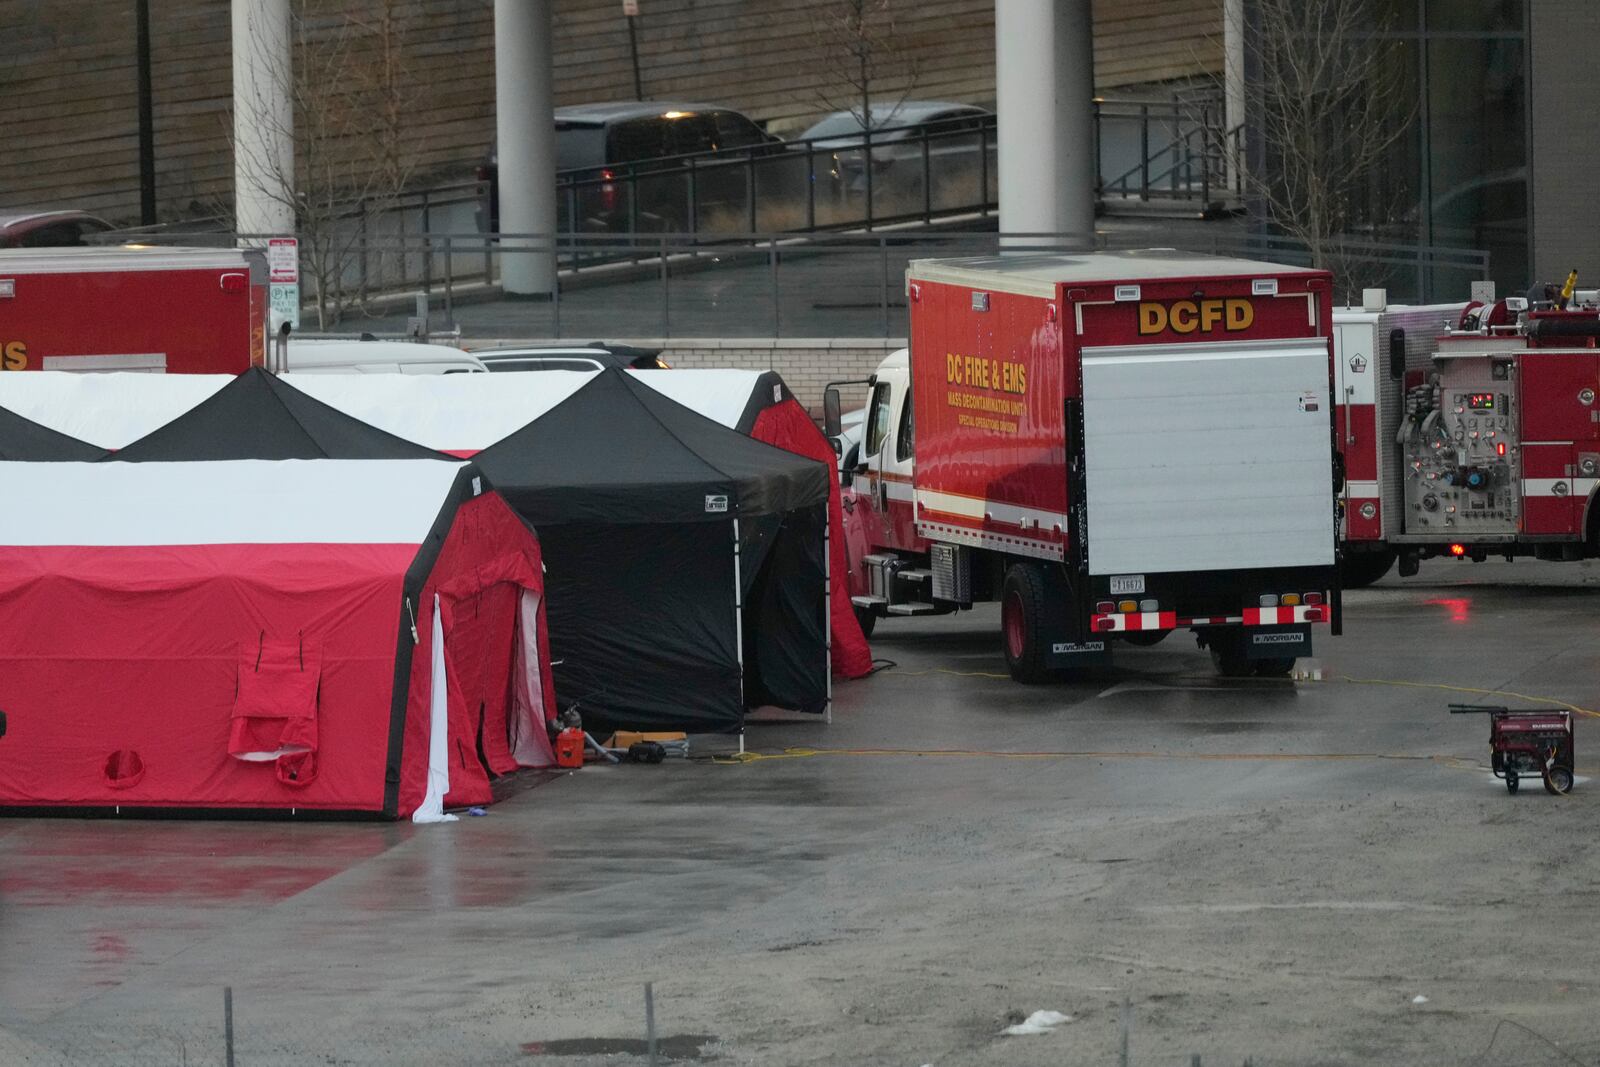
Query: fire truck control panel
1459	442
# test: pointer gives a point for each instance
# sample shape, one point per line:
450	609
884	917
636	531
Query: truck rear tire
1228	655
1274	668
1360	569
1022	614
868	619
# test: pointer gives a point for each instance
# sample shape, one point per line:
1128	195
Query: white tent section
459	413
721	395
462	413
323	501
110	410
466	413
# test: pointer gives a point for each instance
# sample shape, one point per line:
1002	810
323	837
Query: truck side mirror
832	421
1397	354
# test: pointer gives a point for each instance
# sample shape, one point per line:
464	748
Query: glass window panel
877	420
1478	142
1403	16
1475	16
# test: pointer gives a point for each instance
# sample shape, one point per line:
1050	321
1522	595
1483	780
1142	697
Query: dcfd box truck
1115	446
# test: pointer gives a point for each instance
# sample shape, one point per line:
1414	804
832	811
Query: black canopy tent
686	562
24	440
256	416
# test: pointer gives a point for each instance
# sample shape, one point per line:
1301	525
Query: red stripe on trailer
1283	616
1117	622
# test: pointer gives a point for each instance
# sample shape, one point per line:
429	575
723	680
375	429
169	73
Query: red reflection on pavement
1459	607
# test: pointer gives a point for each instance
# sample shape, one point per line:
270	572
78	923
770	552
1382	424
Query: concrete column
526	136
1044	89
263	118
1233	81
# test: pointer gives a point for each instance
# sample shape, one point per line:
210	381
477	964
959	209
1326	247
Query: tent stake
827	613
738	624
650	1021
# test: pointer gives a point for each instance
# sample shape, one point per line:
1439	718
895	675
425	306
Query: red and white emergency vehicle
1114	446
1469	430
190	310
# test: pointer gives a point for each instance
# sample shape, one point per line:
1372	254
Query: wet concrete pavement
1263	869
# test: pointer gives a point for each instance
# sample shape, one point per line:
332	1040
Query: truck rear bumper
1118	622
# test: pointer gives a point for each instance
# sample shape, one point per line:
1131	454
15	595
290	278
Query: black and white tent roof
256	416
24	439
631	455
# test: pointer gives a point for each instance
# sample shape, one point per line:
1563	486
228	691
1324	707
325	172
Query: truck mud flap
1277	642
1071	655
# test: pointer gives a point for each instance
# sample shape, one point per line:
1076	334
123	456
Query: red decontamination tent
361	636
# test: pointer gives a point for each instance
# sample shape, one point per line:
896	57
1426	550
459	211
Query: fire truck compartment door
1205	457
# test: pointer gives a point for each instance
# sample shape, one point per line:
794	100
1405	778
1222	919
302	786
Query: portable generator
1527	743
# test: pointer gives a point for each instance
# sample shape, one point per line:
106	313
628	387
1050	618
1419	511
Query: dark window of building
1474	16
1478	151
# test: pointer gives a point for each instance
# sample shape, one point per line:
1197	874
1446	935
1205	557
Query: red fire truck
1469	430
1114	446
191	310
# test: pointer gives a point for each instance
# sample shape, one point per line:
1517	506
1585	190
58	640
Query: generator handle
1472	709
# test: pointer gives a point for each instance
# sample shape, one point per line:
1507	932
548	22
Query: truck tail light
608	190
1268	600
1458	550
1149	605
1313	599
1289	600
1105	607
234	282
1126	606
1314	614
1103	624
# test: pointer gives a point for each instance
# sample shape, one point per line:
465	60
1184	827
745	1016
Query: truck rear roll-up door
1208	456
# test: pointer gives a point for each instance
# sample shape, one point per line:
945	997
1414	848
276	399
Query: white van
316	356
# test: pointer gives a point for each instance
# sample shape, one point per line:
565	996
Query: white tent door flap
432	807
1207	456
530	743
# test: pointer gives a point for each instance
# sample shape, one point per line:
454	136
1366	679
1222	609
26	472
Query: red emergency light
1458	550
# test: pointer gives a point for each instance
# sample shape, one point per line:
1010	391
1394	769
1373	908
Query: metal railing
904	176
764	284
1181	152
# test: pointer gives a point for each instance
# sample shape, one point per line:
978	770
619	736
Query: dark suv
626	166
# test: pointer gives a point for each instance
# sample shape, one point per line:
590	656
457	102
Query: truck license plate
1127	583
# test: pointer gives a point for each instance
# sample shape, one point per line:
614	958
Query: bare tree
1326	101
348	82
861	48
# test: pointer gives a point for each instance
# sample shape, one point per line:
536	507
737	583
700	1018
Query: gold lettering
1182	316
1152	318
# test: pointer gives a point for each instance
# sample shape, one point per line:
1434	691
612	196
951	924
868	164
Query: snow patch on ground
1040	1022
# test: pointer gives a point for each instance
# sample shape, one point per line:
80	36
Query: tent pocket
275	711
124	769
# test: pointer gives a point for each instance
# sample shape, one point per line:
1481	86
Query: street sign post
283	278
